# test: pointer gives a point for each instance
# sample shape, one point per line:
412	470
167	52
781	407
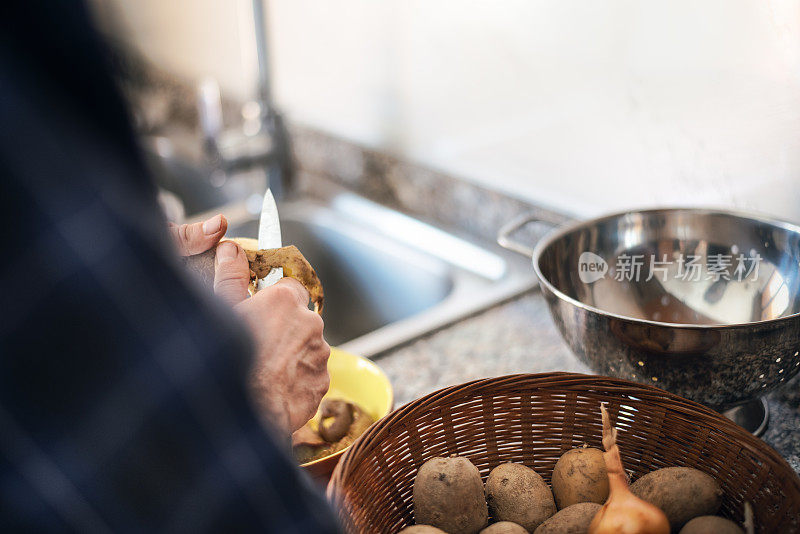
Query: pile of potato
449	497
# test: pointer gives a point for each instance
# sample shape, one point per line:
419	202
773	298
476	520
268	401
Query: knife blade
269	235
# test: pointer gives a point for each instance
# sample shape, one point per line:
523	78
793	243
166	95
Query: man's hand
198	237
290	372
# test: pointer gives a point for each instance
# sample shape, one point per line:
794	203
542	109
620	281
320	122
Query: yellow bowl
359	380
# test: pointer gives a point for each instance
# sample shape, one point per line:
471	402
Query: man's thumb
231	273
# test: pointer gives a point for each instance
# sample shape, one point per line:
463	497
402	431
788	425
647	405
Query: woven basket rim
370	439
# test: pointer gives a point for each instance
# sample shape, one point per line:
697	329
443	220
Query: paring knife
269	236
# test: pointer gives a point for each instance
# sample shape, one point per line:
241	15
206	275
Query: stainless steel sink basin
388	278
367	284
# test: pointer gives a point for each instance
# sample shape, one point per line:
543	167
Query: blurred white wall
587	106
192	38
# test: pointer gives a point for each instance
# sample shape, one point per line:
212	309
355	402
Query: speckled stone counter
515	337
520	337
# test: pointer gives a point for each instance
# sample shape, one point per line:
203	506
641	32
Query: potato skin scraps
294	265
261	263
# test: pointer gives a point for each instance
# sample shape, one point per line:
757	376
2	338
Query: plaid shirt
123	404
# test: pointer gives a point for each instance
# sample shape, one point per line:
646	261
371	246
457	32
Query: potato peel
290	259
294	265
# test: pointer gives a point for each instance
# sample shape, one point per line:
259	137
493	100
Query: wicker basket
533	419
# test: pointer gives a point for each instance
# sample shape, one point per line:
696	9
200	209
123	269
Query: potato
682	493
261	263
518	494
421	529
504	527
711	524
580	476
574	519
448	494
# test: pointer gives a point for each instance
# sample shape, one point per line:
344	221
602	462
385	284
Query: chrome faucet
262	140
231	164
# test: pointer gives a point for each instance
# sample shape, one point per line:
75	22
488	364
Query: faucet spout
268	146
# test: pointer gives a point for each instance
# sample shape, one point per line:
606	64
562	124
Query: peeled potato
518	494
261	263
574	519
448	494
682	493
580	476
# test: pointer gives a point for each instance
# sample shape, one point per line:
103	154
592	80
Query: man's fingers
231	273
198	237
293	288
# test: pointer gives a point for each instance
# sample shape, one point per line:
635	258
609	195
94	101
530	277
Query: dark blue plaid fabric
123	404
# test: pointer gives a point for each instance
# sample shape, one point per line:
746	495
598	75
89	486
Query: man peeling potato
290	374
126	394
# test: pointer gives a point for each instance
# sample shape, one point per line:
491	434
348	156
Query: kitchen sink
388	278
368	281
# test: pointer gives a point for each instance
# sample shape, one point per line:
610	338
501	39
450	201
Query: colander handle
505	240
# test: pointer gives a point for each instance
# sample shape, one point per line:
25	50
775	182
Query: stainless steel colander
703	303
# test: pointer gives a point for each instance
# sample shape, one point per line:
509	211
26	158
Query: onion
623	512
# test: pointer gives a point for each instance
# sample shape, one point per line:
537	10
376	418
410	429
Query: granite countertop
515	337
520	337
